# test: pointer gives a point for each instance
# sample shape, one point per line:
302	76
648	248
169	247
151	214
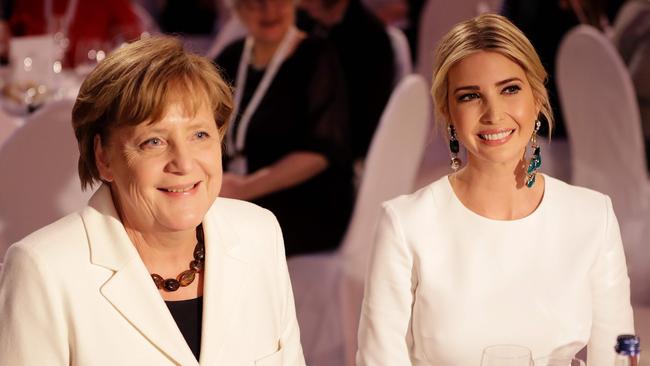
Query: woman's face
164	176
492	107
267	20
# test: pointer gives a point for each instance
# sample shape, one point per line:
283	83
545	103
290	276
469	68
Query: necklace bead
186	277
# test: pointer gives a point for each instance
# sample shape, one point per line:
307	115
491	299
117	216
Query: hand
233	186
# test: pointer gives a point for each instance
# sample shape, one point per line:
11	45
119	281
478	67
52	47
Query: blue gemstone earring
454	148
536	160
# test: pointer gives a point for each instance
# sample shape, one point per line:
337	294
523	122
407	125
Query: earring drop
454	148
536	160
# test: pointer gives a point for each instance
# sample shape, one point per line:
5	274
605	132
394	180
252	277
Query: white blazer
77	293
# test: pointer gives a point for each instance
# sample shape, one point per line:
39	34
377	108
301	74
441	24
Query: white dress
445	282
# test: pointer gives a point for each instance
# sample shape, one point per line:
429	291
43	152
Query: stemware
88	53
558	361
506	355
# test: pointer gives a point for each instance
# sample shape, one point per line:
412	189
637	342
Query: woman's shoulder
576	206
566	195
238	208
244	217
244	223
60	239
426	200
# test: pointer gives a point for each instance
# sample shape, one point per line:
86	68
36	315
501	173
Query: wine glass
506	355
88	53
559	361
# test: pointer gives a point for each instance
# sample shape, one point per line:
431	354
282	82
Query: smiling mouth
180	189
495	136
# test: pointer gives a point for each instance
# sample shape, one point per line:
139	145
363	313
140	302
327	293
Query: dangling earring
454	148
535	160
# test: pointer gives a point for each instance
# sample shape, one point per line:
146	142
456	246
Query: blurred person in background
366	56
5	13
287	149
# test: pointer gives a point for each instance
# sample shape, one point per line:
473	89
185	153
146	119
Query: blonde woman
496	252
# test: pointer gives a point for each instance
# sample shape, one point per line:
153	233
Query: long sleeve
611	309
327	110
32	325
290	338
384	330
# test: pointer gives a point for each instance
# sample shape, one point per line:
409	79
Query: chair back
630	26
391	164
39	181
391	167
602	119
437	18
402	52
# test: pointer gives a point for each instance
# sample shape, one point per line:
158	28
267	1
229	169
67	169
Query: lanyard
67	17
236	139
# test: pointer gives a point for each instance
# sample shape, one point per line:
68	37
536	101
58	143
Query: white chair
232	30
437	18
607	149
631	34
402	52
556	157
629	22
39	173
328	288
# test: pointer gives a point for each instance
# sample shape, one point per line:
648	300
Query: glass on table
558	361
88	53
506	355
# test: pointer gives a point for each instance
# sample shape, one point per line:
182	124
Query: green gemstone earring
454	148
536	160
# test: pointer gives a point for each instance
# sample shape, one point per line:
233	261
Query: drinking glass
506	355
558	361
88	53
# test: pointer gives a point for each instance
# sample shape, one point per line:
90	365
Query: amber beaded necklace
186	277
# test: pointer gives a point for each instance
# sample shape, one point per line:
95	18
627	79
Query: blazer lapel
130	290
224	284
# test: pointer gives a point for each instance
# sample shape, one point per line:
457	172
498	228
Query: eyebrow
476	87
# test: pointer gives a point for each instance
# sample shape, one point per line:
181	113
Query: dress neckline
540	207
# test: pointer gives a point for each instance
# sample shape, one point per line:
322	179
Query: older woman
288	148
155	270
494	253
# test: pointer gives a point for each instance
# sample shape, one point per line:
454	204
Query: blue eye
467	97
512	89
152	142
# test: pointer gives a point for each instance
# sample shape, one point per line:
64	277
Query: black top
367	59
304	109
188	315
188	16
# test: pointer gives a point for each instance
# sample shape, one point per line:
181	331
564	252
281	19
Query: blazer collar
132	292
224	284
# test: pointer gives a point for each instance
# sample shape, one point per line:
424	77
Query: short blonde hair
494	33
136	83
